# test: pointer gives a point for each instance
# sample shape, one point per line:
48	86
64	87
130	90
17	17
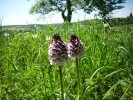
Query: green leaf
91	78
113	87
112	73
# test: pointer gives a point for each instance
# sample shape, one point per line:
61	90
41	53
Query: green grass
105	70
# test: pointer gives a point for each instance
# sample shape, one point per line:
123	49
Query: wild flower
57	51
75	47
34	35
6	34
58	55
75	50
48	37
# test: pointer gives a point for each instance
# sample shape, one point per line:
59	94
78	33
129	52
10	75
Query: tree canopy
64	6
105	7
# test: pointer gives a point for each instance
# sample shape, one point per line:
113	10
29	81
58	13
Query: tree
131	15
88	6
46	6
105	7
131	18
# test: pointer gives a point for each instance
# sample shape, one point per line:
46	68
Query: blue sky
16	12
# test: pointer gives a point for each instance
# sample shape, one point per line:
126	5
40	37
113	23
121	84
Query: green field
105	70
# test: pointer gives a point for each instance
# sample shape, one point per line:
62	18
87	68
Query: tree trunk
63	16
69	6
68	17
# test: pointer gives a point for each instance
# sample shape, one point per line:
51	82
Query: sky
16	12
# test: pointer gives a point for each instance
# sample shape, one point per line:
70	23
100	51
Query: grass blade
114	86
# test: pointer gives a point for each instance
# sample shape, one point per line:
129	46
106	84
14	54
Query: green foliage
120	21
46	6
105	70
105	7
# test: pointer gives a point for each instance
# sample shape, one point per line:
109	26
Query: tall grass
105	70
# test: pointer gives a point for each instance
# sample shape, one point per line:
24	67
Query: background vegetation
105	69
27	28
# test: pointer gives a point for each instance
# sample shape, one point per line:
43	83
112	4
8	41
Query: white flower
57	51
34	35
75	47
48	37
6	34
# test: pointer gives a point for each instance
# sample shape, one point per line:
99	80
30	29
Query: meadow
105	70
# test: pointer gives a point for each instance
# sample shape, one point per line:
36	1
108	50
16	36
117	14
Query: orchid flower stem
77	70
61	82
